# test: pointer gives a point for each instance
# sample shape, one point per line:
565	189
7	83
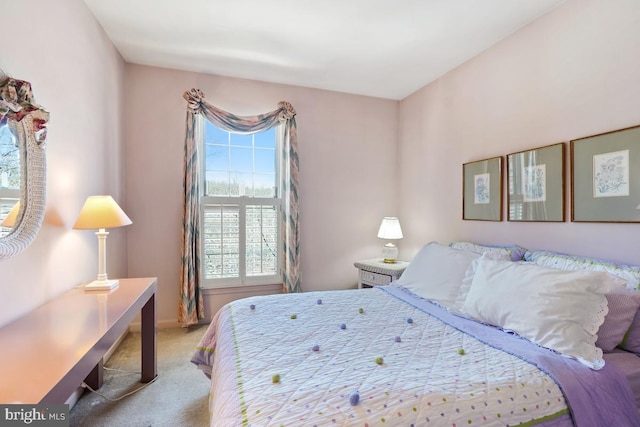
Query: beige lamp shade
101	212
10	220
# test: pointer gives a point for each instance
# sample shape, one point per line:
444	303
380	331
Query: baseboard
115	346
75	396
166	324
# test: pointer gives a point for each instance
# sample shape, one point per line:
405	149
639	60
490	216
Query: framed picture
536	184
605	178
482	190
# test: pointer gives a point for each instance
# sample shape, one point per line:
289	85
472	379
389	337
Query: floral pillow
514	252
570	262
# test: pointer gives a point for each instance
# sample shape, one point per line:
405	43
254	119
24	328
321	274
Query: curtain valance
238	124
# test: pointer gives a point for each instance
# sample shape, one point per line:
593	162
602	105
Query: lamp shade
10	220
101	212
390	228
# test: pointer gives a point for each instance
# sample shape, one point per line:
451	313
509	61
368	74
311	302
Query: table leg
148	333
95	377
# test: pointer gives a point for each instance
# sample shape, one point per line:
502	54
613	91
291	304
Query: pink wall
570	74
348	154
78	76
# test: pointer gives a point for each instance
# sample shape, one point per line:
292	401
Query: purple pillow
631	341
623	308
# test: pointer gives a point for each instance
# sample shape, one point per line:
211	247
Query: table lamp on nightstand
390	230
101	212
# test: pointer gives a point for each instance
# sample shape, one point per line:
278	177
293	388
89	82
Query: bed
435	348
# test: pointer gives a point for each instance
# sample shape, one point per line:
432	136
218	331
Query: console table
47	354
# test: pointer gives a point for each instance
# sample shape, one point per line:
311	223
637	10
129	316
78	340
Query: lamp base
390	253
101	285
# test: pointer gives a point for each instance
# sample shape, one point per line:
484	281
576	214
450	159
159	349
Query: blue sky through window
238	164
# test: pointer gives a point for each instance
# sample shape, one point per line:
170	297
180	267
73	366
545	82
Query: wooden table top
41	348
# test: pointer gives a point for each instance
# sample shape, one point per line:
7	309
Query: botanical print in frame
605	177
611	174
536	184
482	190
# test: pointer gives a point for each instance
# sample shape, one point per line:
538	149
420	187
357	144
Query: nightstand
375	272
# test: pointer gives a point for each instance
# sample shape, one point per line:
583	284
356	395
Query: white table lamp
101	212
390	230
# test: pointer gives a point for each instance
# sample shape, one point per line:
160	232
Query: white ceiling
381	48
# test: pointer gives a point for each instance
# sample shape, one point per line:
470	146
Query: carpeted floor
178	397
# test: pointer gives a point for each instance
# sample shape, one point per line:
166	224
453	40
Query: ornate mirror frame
27	121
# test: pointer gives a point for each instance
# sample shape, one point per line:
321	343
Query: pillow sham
631	340
556	309
468	278
436	273
623	304
569	262
513	252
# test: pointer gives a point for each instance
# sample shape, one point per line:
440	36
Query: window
9	174
240	208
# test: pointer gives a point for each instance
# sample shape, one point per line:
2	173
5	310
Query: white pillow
436	273
557	309
468	278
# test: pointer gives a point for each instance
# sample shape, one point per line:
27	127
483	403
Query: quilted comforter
385	357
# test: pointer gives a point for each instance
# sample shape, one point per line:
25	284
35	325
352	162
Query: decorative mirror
22	165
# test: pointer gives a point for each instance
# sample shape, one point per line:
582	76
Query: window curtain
190	304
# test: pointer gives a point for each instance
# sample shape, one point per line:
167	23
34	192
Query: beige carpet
178	397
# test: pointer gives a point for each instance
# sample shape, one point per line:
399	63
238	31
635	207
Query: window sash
214	249
239	248
228	169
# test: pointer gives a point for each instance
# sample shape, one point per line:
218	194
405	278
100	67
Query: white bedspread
422	380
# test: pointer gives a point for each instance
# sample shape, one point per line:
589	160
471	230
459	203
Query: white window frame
242	202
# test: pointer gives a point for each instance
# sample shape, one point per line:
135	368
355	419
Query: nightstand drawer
374	278
375	272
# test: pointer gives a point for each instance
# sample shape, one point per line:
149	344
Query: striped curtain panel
191	308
